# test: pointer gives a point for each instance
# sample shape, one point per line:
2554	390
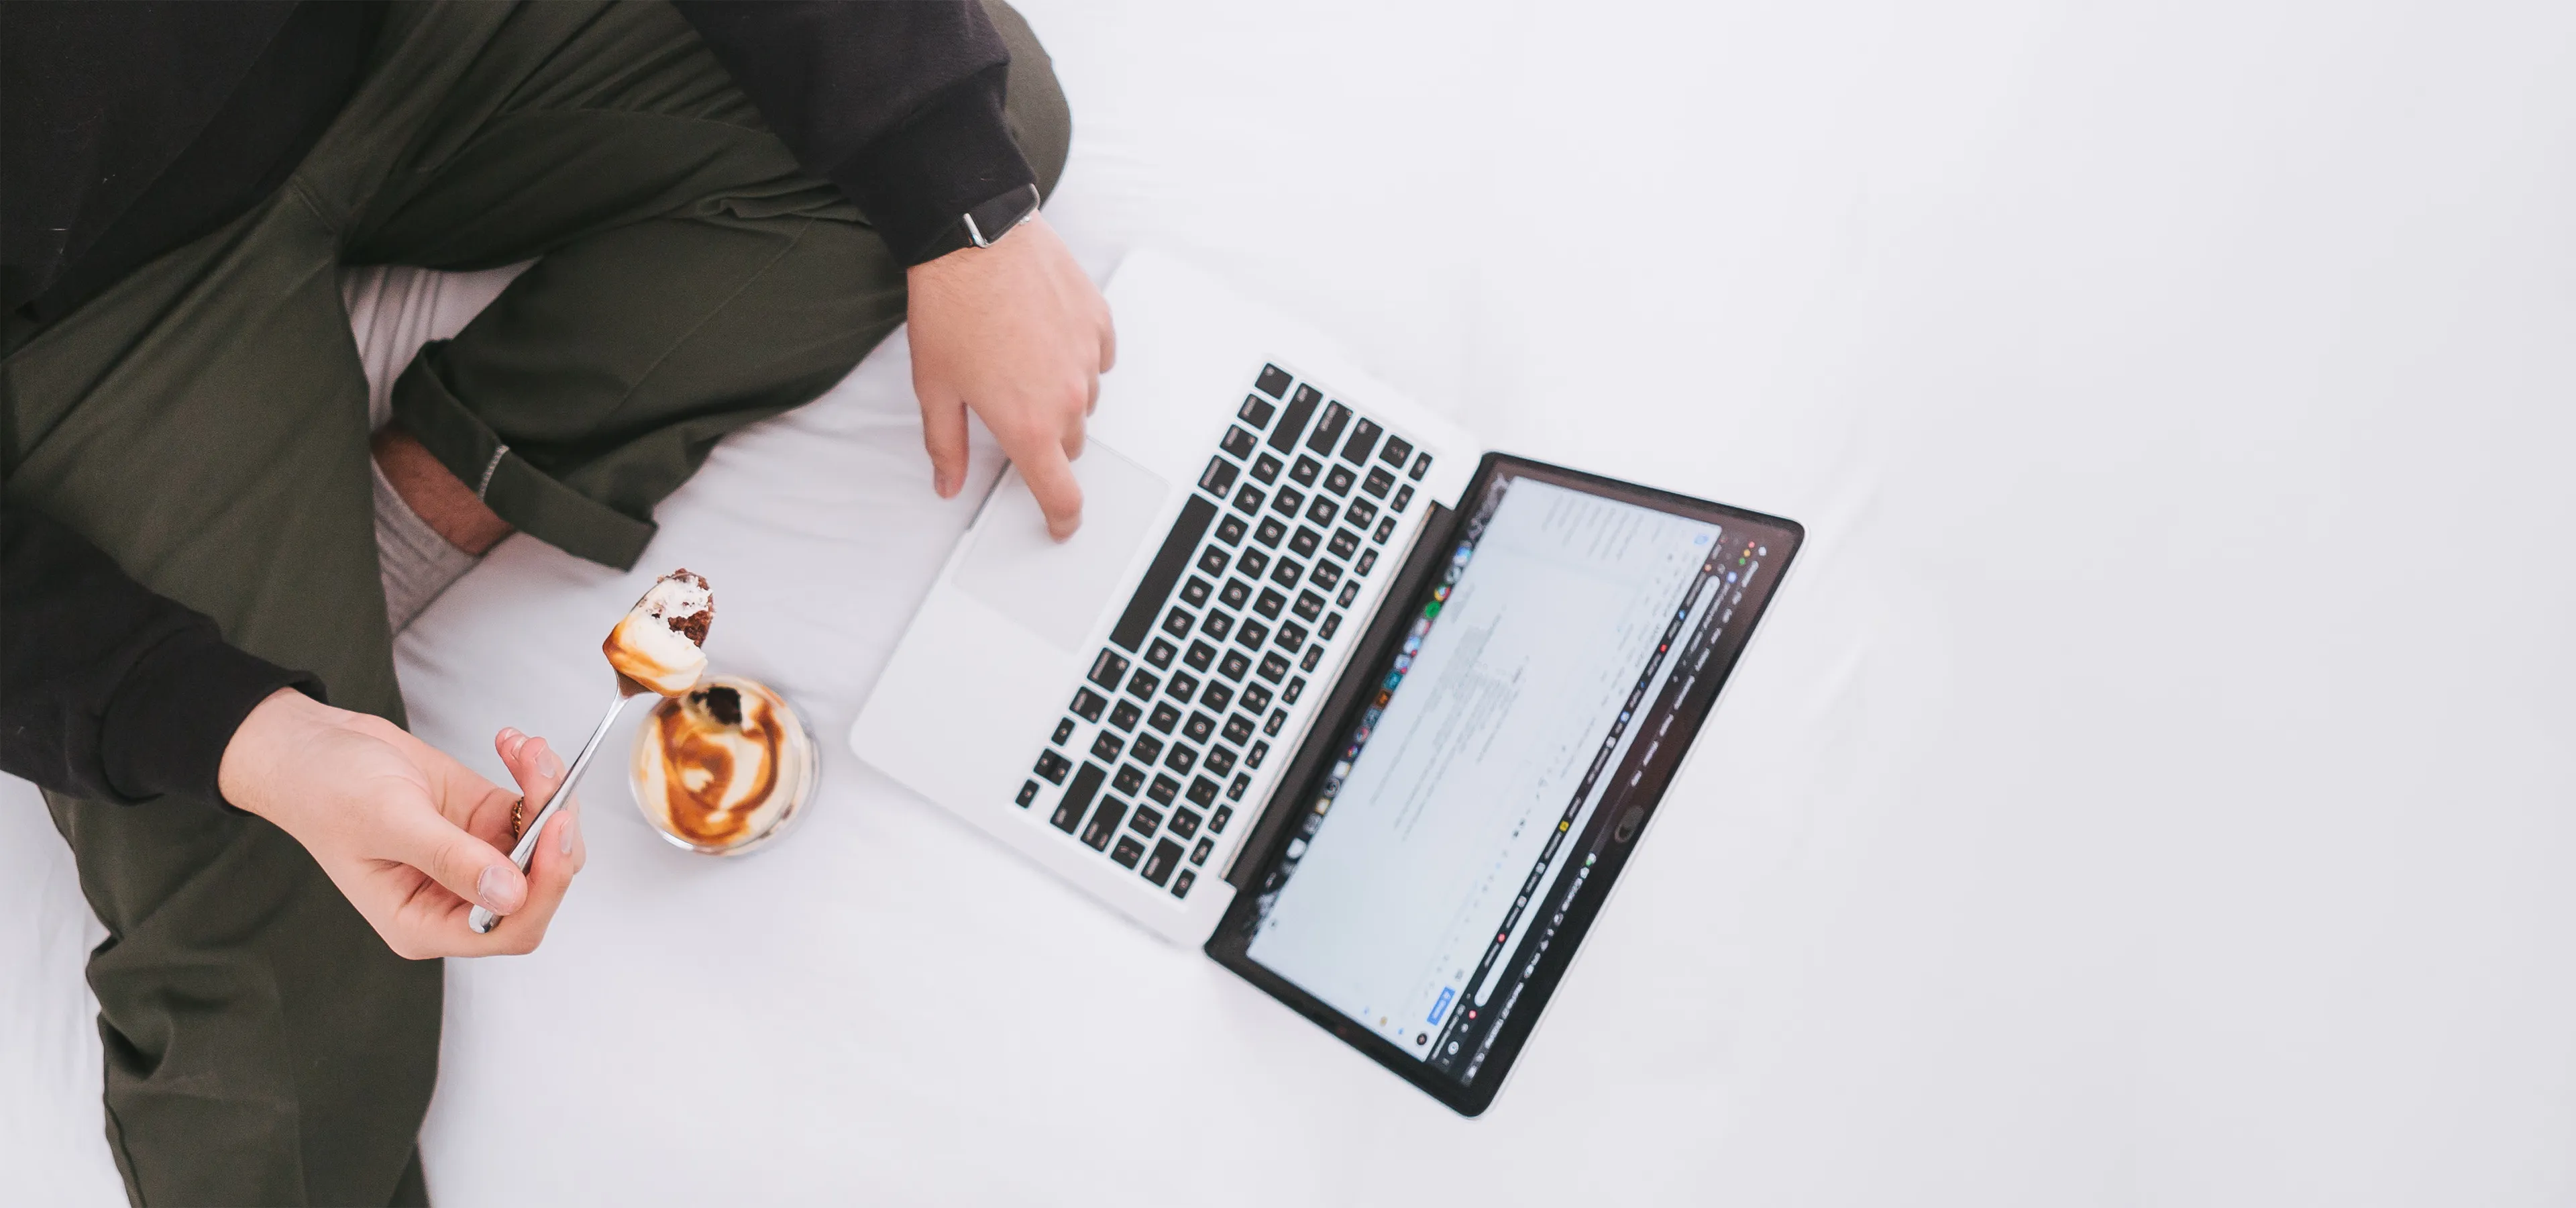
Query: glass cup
724	767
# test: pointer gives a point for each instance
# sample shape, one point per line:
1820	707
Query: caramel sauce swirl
701	751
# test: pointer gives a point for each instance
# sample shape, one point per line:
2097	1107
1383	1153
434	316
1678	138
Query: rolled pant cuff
526	497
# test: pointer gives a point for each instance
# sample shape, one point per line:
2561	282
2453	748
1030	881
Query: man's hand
1017	332
411	837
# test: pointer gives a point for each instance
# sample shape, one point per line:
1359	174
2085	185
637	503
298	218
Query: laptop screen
1499	752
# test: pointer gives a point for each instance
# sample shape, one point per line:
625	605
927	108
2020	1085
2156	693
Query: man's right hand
410	836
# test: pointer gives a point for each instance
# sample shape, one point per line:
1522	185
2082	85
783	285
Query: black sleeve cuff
952	156
166	728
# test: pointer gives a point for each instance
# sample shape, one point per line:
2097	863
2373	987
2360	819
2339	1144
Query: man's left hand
1017	332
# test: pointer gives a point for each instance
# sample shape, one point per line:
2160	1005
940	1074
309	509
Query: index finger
1049	473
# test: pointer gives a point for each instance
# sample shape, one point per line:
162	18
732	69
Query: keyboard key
1321	512
1255	698
1343	543
1108	669
1217	820
1199	655
1308	607
1198	727
1332	625
1148	749
1087	703
1228	530
1052	767
1251	562
1181	758
1350	591
1361	513
1269	533
1238	729
1238	442
1270	603
1185	823
1104	823
1068	809
1248	499
1028	793
1385	528
1142	685
1184	686
1304	472
1265	468
1292	422
1145	821
1273	382
1158	867
1129	851
1217	625
1252	758
1218	477
1063	730
1165	717
1107	747
1253	634
1234	593
1314	655
1202	791
1199	854
1403	496
1164	789
1397	449
1340	480
1195	592
1233	792
1291	636
1363	442
1421	465
1129	779
1233	665
1273	667
1367	562
1329	428
1212	561
1278	718
1181	884
1257	410
1305	541
1327	573
1378	483
1217	697
1162	573
1219	762
1289	501
1295	688
1160	653
1286	573
1177	623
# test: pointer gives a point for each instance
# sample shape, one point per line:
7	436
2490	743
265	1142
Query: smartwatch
981	225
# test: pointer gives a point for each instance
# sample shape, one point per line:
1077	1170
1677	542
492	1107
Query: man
727	204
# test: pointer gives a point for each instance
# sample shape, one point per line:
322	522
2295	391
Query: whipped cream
657	643
721	766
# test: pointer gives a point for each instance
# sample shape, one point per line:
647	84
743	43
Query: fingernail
551	765
563	841
490	889
944	483
509	734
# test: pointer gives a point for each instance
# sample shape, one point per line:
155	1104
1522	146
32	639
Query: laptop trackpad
1058	590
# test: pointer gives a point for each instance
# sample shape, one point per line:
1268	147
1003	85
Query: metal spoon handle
482	920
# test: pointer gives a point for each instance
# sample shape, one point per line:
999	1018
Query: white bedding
2153	786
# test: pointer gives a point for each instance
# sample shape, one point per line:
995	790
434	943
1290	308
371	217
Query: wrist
258	747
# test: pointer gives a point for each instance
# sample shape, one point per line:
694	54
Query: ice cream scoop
655	648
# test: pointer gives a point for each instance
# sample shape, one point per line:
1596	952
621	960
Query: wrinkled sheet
2153	786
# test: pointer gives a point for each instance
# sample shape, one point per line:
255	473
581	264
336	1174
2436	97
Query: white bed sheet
2153	787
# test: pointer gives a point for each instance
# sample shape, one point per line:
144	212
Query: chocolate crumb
724	704
694	625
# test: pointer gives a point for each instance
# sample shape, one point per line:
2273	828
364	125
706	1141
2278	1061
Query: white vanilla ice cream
657	643
721	766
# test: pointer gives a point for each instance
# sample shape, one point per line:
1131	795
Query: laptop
1368	713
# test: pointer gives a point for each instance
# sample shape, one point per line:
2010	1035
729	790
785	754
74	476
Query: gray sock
415	562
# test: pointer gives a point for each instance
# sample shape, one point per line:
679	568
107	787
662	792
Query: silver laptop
1372	715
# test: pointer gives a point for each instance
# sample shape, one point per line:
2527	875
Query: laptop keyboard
1207	667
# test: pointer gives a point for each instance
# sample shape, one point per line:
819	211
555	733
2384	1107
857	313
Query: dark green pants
205	423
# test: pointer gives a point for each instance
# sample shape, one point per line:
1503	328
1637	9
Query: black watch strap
984	223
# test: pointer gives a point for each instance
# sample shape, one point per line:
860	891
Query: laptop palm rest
1056	590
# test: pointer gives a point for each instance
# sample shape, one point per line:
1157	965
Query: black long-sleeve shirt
128	129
